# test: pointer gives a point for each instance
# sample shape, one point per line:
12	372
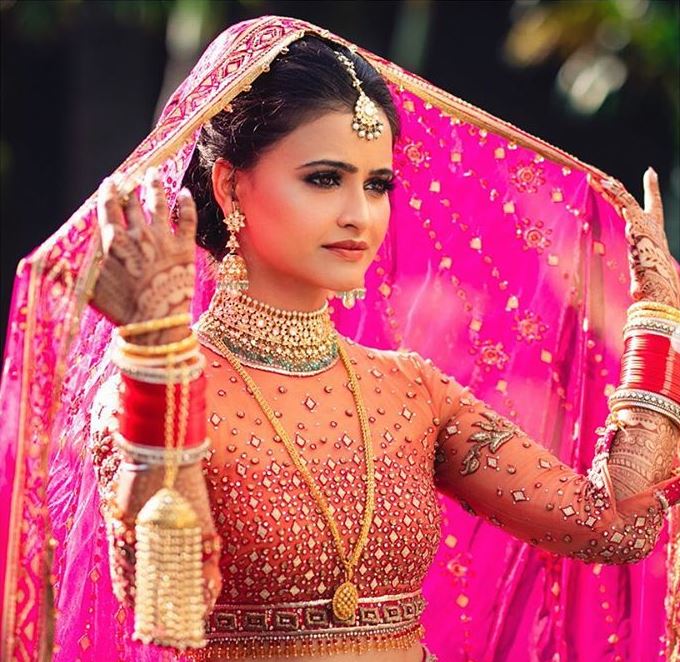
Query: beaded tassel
169	605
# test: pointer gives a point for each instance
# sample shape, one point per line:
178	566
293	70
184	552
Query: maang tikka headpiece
365	121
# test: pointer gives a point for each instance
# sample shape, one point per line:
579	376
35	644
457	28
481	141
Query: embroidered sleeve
496	471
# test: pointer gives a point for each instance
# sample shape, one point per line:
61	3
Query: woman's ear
223	176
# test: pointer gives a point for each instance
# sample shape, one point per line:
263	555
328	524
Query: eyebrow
346	167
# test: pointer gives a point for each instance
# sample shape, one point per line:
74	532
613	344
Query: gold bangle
658	314
160	362
137	328
132	349
156	375
653	306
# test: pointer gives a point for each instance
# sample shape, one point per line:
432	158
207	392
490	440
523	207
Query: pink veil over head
505	263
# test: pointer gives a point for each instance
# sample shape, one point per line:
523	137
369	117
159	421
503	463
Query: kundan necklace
346	596
283	341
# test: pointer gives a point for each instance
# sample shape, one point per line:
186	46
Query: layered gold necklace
346	596
283	341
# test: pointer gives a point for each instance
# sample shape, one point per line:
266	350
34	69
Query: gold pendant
345	601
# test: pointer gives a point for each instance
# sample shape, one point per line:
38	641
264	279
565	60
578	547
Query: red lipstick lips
350	250
349	244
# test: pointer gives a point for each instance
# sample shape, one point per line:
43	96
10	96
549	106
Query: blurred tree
601	47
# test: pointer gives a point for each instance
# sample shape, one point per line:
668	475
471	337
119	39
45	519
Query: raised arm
615	513
496	471
148	445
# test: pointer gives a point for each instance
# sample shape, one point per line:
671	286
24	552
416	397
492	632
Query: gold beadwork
268	338
346	597
296	646
496	430
365	122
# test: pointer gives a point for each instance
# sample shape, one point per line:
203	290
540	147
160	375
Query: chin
343	285
339	282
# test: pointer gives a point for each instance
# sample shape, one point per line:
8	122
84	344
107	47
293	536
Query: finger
157	201
109	213
187	217
617	189
109	209
629	230
134	212
650	182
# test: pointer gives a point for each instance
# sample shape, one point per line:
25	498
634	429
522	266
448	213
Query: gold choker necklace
283	341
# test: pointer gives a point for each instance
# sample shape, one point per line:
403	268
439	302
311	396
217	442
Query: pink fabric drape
504	263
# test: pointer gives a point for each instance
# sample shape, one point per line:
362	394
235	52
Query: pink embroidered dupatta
505	263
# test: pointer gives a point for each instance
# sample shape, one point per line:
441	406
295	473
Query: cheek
382	222
287	218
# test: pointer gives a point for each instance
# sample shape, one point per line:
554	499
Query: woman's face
317	209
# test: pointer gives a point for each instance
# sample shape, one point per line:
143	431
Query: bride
270	456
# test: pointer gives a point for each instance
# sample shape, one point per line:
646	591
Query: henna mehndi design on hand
653	273
642	453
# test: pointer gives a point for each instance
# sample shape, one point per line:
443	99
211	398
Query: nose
357	211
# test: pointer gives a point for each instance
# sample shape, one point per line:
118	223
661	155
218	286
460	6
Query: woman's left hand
652	269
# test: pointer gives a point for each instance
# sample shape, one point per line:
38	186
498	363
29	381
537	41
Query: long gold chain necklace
346	596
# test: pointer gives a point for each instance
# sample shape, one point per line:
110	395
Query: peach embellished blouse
429	433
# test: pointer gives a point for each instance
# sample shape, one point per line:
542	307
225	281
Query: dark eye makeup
330	178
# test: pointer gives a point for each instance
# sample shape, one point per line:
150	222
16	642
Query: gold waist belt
309	628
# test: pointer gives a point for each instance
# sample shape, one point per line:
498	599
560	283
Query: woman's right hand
147	271
135	488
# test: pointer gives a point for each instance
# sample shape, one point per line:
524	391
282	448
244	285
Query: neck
284	291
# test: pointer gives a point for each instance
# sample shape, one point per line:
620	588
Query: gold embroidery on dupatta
456	107
16	509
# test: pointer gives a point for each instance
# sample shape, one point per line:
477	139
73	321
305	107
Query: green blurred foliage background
83	81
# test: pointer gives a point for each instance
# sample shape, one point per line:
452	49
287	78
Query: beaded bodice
277	547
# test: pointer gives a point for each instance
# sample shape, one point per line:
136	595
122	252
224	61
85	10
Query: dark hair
304	82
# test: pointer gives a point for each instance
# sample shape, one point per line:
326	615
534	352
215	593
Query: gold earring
349	298
233	275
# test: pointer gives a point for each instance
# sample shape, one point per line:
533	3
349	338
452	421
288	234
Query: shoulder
391	360
414	374
400	362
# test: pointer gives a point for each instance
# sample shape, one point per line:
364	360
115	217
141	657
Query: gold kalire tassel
169	600
169	606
